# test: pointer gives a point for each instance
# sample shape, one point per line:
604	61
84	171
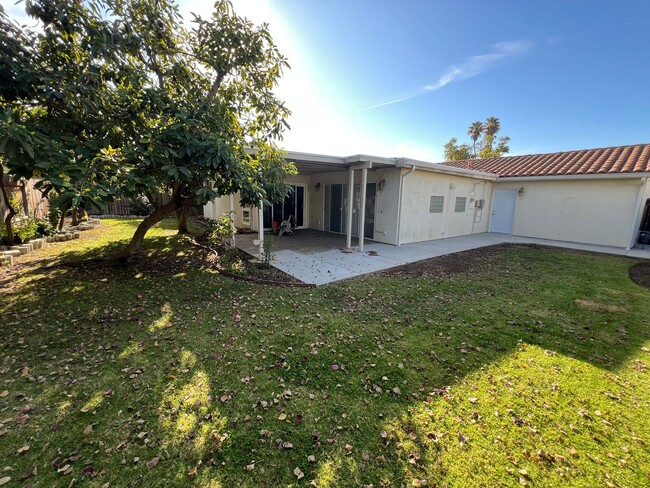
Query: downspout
477	211
399	204
637	211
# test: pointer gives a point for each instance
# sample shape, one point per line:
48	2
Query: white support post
231	198
348	226
260	224
362	207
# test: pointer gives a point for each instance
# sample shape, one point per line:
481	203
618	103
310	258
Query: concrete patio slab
318	257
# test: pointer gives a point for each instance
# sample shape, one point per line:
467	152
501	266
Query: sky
400	78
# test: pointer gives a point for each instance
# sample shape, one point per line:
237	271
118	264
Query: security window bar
436	204
461	204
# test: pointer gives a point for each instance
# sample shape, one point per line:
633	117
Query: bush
232	262
44	228
267	246
221	231
24	229
140	205
53	217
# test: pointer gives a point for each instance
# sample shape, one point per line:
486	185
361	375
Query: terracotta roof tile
607	160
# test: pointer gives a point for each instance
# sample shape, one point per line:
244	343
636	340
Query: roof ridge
628	158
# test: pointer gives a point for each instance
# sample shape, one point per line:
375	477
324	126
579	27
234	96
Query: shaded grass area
531	369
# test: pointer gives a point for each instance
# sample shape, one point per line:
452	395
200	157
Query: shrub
140	205
232	262
24	229
44	228
267	247
221	231
53	216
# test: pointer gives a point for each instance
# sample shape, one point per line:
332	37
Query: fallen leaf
5	480
88	429
153	463
251	466
20	450
282	416
311	458
299	474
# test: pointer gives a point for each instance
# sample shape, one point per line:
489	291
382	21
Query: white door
503	211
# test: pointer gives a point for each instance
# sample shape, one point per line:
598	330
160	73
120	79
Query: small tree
126	100
487	146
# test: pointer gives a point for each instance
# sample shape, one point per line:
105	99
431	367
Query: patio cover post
260	224
362	207
348	223
232	215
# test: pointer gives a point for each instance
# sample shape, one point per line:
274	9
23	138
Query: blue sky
400	78
560	75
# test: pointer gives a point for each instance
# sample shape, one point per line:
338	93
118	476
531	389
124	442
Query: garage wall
588	211
419	224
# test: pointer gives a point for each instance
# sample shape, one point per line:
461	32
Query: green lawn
532	369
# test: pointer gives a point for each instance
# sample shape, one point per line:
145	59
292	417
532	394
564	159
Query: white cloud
472	66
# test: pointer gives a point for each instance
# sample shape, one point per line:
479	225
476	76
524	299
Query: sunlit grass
532	369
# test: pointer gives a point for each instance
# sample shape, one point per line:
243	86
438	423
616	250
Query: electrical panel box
479	203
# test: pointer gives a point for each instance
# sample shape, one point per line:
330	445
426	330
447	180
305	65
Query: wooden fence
31	199
124	206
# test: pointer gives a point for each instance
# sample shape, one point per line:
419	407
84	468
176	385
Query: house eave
592	176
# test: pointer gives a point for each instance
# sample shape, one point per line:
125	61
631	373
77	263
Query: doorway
336	209
293	204
503	211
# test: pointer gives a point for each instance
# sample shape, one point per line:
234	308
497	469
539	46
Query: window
246	216
461	204
436	204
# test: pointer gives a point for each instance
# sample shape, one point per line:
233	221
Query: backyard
505	367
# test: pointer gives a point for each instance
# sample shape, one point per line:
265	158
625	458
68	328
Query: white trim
362	208
348	223
602	176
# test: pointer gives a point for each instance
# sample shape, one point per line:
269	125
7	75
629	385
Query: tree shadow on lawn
383	380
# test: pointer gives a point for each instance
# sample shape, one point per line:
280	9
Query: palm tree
475	130
492	126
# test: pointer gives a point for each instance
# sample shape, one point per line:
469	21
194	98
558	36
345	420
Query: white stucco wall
586	211
418	224
385	200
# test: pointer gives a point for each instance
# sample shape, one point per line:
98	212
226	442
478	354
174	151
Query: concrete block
11	252
25	249
76	234
38	243
6	260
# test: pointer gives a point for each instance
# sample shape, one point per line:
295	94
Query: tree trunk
12	211
75	216
136	241
62	219
181	220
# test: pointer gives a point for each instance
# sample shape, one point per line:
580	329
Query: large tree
121	97
485	143
474	132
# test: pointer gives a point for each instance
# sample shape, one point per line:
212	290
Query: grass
532	370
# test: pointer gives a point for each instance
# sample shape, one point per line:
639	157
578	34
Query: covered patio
319	258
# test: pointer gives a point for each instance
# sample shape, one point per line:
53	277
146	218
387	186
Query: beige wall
420	225
385	200
588	211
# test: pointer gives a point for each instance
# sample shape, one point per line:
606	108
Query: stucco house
592	196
